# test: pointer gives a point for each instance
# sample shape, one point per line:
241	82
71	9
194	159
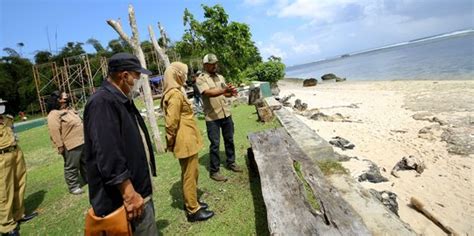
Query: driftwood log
288	209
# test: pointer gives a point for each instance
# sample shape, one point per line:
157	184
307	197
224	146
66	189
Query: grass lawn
238	203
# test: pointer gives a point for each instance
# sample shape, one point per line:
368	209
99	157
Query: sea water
449	56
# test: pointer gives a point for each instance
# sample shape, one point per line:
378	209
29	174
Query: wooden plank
288	211
316	147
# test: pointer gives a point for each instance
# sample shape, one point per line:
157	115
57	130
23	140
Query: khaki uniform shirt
183	137
7	137
65	128
215	108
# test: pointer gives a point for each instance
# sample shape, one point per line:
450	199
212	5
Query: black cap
126	62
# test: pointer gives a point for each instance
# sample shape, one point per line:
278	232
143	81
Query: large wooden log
288	210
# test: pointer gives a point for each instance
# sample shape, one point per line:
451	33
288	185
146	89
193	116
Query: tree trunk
161	51
137	50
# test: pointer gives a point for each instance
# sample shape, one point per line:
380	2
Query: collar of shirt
117	93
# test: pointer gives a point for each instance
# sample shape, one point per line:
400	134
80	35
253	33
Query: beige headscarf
175	77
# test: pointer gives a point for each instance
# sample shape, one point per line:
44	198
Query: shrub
270	71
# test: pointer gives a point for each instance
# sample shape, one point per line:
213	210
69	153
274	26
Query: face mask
132	90
2	109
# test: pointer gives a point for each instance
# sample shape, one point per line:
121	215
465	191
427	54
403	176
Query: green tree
16	81
11	52
43	57
270	71
118	45
96	44
230	41
71	49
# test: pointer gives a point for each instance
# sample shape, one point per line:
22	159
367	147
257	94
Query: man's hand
132	200
230	91
61	150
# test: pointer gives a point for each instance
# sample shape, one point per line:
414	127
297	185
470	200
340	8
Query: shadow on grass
260	211
176	193
205	159
161	225
33	201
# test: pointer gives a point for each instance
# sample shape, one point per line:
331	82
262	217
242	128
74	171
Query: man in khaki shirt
12	178
215	92
67	134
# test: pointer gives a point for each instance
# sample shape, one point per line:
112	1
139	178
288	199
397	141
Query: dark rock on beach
372	175
409	163
300	106
388	199
310	82
459	141
341	143
329	76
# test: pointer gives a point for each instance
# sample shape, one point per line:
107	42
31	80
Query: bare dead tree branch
134	42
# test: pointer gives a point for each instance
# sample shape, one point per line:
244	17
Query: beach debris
372	174
285	100
342	157
422	115
338	117
419	206
388	199
310	82
409	163
398	131
254	95
459	140
300	106
426	133
264	112
352	105
341	143
427	116
275	89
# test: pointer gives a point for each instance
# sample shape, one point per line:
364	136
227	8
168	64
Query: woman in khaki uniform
67	134
183	137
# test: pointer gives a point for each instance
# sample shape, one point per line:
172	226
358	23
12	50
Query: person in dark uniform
118	149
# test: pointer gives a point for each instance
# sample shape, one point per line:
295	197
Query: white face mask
134	89
2	109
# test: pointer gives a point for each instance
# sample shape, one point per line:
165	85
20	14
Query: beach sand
384	131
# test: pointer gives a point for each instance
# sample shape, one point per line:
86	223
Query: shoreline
383	128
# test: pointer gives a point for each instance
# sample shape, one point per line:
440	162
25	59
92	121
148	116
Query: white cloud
286	46
254	2
271	50
328	28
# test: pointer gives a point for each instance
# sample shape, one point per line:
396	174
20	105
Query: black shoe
203	205
200	215
15	232
28	217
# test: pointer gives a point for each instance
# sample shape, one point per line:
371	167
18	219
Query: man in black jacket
118	149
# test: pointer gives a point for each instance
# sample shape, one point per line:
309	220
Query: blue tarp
156	79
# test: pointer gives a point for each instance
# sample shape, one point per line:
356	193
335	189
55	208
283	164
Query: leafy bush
270	71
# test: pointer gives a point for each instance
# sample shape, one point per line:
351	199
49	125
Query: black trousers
213	133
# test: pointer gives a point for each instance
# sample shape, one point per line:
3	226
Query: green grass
238	203
309	194
330	167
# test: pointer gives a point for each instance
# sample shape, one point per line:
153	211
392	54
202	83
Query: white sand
385	107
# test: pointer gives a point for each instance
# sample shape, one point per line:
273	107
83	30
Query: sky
299	31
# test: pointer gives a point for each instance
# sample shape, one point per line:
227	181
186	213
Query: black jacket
114	149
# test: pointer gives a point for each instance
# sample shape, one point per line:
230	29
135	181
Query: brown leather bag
114	224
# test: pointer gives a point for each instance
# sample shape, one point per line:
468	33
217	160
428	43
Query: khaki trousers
12	189
189	178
